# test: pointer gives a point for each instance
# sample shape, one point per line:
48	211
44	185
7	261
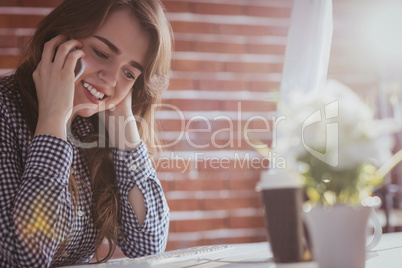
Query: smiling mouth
98	95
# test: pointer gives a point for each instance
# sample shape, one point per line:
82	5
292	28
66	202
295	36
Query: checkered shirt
38	224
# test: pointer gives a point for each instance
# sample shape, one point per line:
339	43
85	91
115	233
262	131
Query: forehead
124	31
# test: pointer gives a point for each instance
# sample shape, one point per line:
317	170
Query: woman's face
114	58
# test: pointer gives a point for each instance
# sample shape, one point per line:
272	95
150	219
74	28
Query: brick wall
227	64
227	68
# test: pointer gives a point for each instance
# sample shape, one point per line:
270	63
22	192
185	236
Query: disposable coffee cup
282	198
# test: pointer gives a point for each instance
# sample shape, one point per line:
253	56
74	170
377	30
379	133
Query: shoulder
9	93
11	107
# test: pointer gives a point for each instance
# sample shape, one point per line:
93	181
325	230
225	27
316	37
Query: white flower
335	126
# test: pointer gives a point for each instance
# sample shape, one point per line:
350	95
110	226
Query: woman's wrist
52	125
123	131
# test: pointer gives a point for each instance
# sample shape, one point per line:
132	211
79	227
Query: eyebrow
114	49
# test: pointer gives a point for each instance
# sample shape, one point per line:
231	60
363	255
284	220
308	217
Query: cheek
89	64
122	93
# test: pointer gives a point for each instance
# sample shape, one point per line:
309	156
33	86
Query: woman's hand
54	81
123	134
121	125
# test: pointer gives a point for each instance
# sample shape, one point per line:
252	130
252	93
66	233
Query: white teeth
93	91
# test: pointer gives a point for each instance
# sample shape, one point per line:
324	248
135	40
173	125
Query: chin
86	112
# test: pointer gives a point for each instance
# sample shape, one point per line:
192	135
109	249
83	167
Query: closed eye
100	54
129	75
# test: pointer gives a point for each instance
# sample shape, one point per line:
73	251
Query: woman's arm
123	135
54	82
35	207
34	199
149	237
144	215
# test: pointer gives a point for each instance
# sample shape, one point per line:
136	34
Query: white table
388	254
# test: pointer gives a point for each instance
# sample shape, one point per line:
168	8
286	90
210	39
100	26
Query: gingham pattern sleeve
135	168
43	211
35	211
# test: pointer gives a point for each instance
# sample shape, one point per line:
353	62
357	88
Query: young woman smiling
75	166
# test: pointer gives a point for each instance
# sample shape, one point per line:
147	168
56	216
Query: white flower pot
338	235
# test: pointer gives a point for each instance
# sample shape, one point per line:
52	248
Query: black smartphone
79	69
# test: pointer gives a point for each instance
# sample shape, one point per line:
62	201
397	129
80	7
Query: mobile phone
79	68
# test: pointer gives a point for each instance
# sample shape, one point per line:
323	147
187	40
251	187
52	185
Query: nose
108	75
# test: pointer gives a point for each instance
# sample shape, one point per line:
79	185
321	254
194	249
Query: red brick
230	29
19	21
178	145
217	126
170	165
224	85
197	66
250	105
198	143
230	203
233	175
217	47
186	185
170	125
201	142
172	227
9	62
199	225
183	45
9	41
246	222
39	3
194	105
257	122
218	9
264	86
178	84
253	67
271	12
243	184
210	184
165	185
266	49
194	27
183	204
252	30
177	6
6	3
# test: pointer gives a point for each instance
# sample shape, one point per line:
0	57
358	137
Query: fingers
49	48
61	54
72	60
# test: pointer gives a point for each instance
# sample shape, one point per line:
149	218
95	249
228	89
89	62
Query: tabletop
388	253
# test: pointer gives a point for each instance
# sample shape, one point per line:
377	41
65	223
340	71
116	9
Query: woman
75	168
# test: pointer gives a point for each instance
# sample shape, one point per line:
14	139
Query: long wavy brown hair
78	19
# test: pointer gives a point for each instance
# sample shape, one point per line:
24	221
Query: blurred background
227	69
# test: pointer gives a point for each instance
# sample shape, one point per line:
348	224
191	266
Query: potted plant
332	139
